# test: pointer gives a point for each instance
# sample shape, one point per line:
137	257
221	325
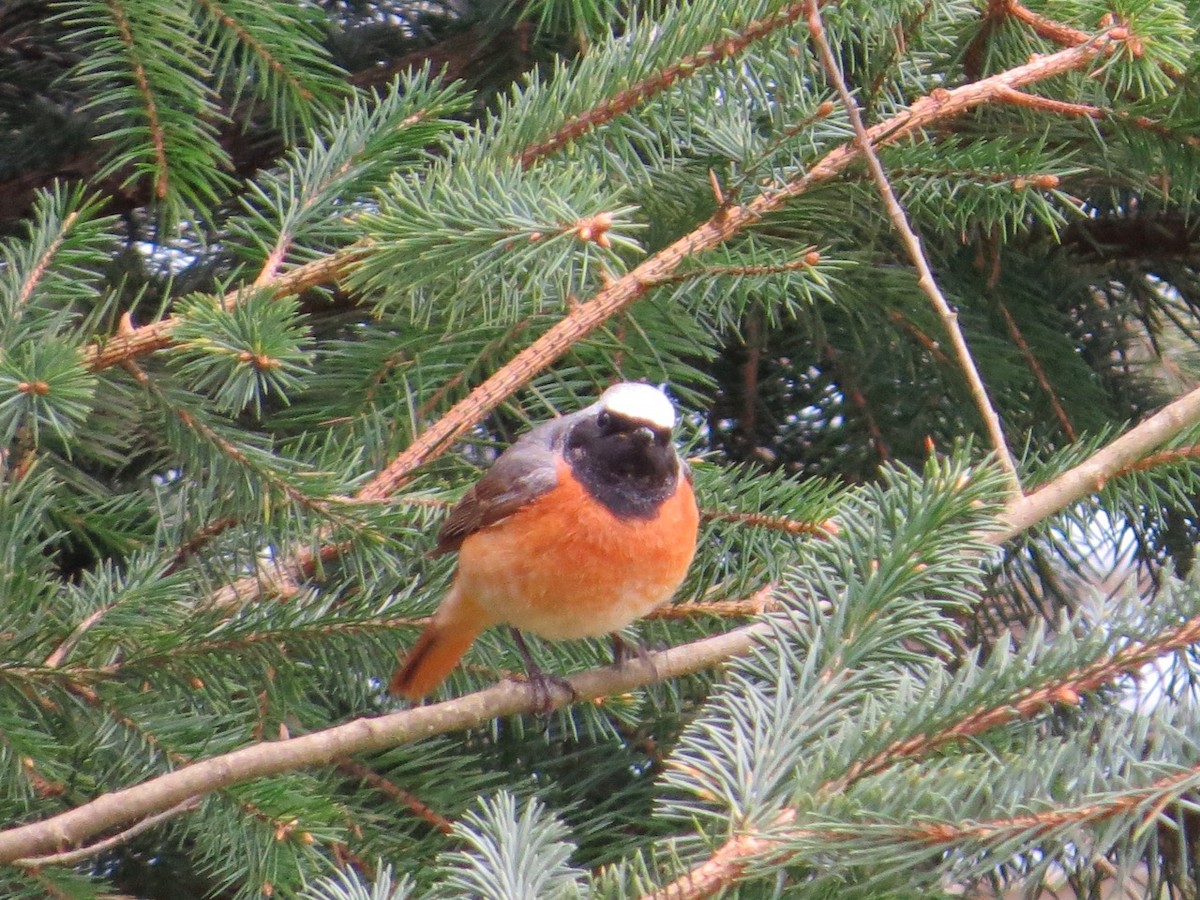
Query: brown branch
71	829
393	791
256	47
930	345
126	346
1099	113
29	285
1093	473
810	258
71	857
728	863
912	243
773	523
153	123
1161	458
1039	373
637	93
1047	28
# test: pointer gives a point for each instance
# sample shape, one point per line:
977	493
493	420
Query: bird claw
543	687
623	653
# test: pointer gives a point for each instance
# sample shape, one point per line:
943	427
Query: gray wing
522	473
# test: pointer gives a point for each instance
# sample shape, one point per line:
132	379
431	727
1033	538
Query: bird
584	524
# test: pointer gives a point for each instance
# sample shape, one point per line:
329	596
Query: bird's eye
604	420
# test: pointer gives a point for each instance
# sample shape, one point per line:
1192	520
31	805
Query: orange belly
565	567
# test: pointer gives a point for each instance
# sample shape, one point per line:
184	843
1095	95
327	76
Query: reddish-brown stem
393	791
153	123
1038	372
637	93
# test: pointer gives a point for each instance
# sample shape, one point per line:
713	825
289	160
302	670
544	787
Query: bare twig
913	244
1039	373
1092	474
70	857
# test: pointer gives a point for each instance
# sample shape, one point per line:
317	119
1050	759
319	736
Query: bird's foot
623	653
543	685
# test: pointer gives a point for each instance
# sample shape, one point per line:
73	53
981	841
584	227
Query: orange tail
441	645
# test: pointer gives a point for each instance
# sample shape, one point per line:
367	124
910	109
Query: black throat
625	469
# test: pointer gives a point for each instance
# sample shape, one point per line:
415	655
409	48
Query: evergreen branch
71	857
1098	113
618	294
912	243
153	122
30	283
255	46
370	777
920	336
1159	793
1162	458
128	344
810	258
1046	27
1092	474
625	100
200	778
727	864
772	523
1038	372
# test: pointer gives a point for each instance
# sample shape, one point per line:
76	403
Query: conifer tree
279	279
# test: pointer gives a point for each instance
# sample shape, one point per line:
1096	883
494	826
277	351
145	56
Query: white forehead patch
642	402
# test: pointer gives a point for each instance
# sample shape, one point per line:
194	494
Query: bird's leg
623	653
541	683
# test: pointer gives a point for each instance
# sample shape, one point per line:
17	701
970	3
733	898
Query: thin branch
1047	28
729	862
127	345
60	653
1099	113
926	280
71	857
142	83
1093	473
255	46
393	791
29	285
637	93
200	778
1039	373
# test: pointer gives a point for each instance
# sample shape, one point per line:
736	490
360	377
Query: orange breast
565	567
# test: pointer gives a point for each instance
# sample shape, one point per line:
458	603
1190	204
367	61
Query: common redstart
584	524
